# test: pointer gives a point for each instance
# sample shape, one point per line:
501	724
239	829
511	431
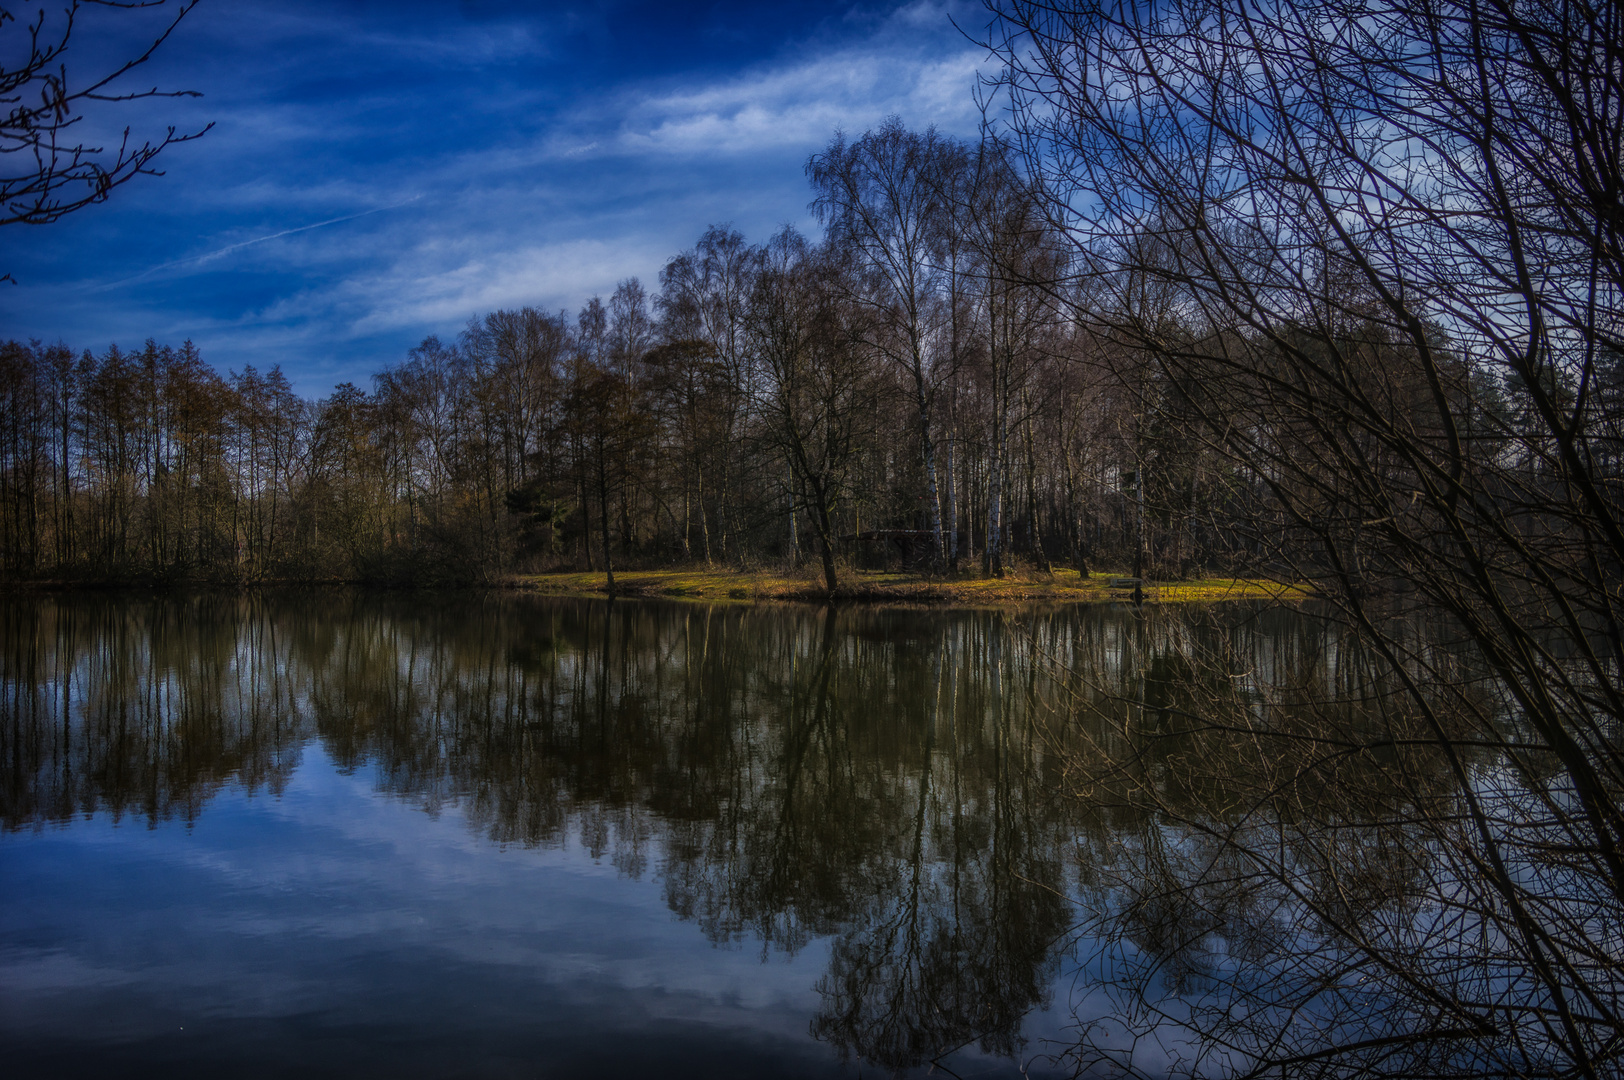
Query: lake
446	835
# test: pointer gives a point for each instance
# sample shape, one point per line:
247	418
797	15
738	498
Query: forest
891	391
930	383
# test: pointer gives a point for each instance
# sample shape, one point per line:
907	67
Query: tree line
931	382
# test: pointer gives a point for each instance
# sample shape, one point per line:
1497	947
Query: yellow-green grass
1063	586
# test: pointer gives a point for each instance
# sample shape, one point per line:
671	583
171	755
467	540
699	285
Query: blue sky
380	171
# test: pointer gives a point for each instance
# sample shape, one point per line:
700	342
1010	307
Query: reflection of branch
1299	767
794	754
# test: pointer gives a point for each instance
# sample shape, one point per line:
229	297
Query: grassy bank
1063	586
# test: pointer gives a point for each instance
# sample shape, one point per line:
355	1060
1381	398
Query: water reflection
901	782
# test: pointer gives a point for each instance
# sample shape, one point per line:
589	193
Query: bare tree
704	295
46	169
1020	263
818	381
1359	217
882	198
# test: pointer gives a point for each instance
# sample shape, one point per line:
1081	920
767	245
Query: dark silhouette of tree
46	171
881	196
818	381
1338	237
704	295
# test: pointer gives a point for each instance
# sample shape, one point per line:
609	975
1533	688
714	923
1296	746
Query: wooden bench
1125	583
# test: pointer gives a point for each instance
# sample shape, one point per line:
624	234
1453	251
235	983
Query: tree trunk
603	521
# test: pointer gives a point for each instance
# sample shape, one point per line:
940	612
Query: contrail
209	256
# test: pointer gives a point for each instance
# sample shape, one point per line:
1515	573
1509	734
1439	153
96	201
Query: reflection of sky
332	929
381	171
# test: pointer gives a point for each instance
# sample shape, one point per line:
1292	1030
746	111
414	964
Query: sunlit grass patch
1063	586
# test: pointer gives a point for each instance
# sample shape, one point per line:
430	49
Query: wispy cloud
220	253
535	177
799	102
540	275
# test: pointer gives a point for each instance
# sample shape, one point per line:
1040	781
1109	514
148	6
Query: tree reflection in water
924	788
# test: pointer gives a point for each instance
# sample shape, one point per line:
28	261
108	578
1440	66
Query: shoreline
887	587
711	585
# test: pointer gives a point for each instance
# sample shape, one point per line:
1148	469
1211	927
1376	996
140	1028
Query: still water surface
445	836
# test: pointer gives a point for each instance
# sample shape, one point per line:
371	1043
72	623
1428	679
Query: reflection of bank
898	782
142	707
879	815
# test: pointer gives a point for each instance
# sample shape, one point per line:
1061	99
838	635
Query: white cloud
532	275
272	247
802	103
